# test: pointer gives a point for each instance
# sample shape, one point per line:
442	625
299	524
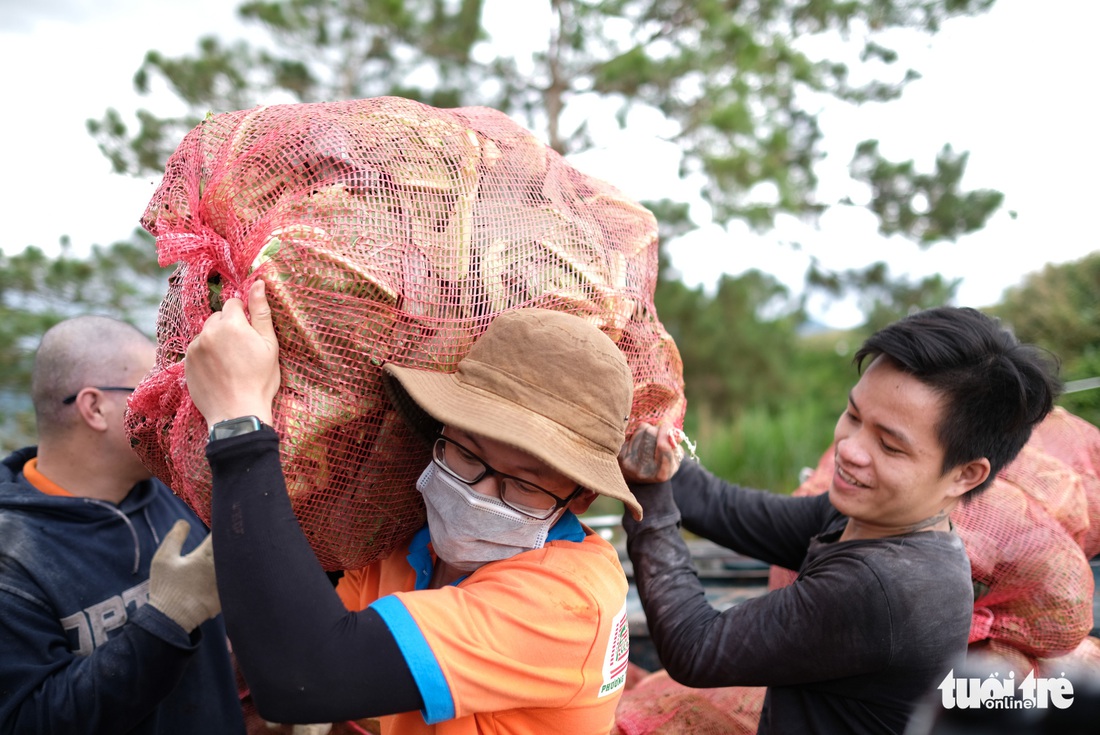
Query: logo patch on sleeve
617	656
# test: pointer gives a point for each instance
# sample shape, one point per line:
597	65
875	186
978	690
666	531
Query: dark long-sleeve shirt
867	628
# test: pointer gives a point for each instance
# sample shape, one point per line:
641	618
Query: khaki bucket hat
545	382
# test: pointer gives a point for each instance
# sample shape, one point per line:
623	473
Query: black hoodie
82	652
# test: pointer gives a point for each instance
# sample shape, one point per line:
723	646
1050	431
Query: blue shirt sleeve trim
438	703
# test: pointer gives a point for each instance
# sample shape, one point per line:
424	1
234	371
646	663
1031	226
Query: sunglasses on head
72	399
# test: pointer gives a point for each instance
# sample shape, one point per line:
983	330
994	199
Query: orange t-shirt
528	645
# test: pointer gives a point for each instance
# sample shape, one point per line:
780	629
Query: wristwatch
235	427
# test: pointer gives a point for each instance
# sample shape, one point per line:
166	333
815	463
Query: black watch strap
235	427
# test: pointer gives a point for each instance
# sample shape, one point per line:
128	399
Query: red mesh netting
657	705
1086	657
1077	443
385	230
1027	536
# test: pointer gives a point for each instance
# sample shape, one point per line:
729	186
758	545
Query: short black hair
995	388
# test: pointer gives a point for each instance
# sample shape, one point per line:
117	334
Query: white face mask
469	529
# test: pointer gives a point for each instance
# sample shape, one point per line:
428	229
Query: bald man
109	616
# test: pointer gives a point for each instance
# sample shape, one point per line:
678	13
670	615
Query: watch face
235	427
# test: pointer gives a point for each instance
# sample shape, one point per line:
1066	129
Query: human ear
580	504
968	476
89	404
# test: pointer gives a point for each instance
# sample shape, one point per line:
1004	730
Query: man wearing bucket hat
504	613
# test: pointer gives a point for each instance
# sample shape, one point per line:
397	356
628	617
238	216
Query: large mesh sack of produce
1086	657
384	230
1024	535
1076	442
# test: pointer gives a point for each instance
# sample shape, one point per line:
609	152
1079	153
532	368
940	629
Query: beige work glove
183	587
321	728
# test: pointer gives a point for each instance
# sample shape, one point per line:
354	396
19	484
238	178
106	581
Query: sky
1015	87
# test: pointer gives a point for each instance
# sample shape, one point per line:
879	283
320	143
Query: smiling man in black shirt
882	604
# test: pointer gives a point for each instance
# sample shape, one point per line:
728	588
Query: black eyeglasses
72	399
519	495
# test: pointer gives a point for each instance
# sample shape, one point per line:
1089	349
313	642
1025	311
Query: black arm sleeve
305	657
773	528
827	625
